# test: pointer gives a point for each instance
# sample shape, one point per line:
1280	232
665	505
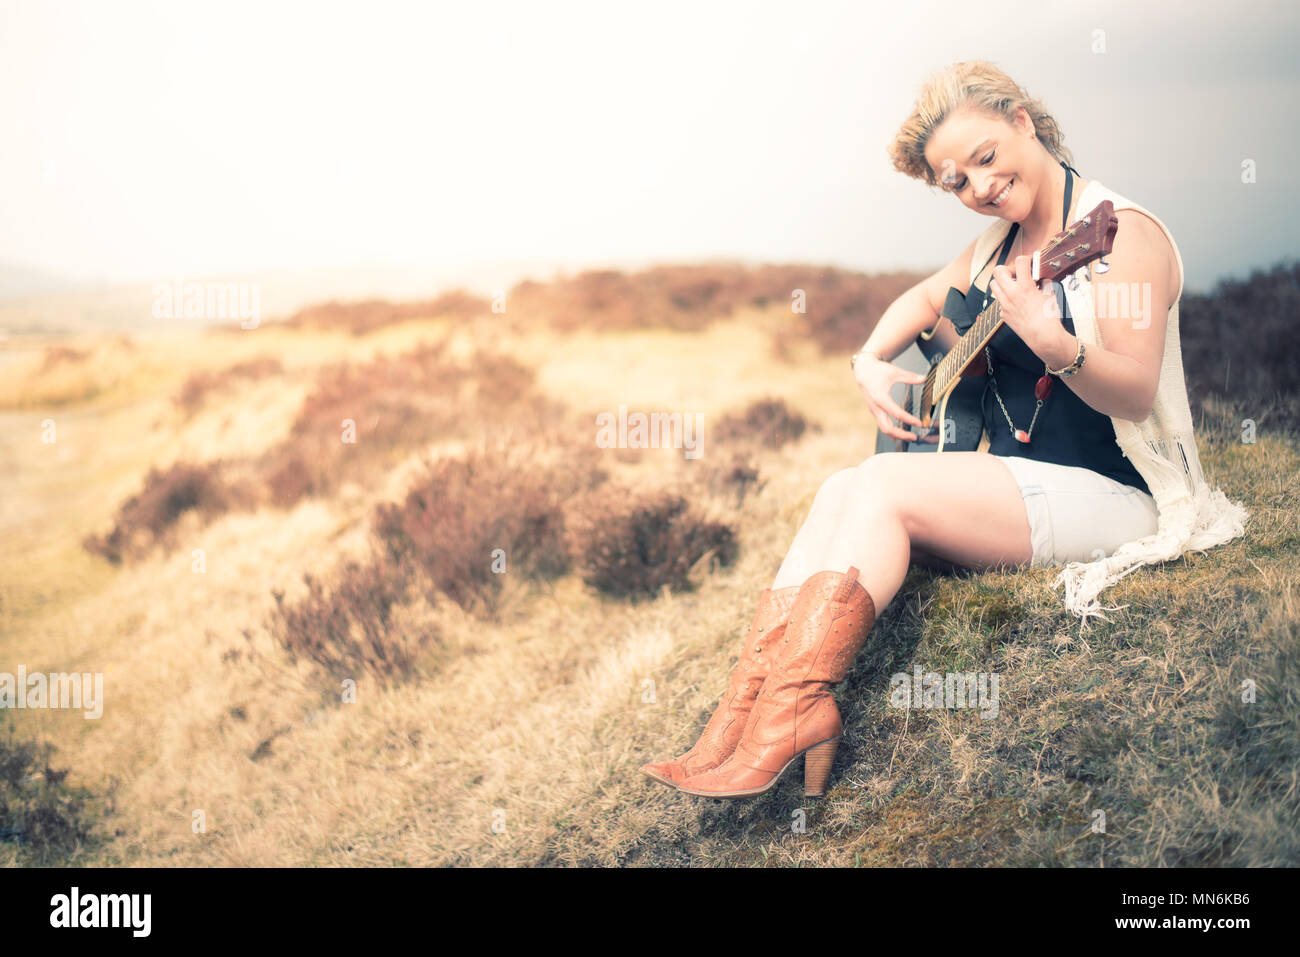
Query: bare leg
959	507
803	559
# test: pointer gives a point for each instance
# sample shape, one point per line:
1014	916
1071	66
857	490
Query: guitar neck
947	372
1089	239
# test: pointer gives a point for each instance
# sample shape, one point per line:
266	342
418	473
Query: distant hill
24	282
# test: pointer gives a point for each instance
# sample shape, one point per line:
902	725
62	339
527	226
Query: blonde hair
976	84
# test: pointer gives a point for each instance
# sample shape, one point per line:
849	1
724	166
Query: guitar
1088	239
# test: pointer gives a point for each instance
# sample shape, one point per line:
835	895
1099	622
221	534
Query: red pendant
1022	436
1043	388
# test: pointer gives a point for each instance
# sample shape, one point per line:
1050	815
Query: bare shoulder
1141	240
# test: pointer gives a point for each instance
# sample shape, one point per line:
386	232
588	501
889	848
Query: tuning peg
1102	265
1073	282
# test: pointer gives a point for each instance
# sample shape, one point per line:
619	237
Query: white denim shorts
1076	514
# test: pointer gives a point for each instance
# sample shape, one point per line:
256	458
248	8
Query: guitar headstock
1089	238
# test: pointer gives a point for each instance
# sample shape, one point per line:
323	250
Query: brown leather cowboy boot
723	730
795	712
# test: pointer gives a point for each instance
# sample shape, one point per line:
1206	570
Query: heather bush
41	815
1229	360
840	307
198	385
350	626
360	318
150	516
468	514
396	403
58	355
732	479
633	544
769	422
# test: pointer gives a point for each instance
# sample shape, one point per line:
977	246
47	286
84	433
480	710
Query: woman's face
976	157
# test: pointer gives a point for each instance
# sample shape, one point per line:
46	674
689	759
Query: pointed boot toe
723	731
665	772
795	714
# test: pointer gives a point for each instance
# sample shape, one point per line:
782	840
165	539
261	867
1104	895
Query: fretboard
976	338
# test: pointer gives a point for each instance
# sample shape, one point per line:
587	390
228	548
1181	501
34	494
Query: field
365	588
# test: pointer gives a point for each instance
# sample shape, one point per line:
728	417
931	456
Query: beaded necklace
1043	387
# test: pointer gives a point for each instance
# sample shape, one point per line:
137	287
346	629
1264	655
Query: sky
144	141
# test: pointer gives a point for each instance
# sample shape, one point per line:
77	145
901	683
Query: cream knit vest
1193	517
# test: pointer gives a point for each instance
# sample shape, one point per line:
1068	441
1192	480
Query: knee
874	479
835	487
879	478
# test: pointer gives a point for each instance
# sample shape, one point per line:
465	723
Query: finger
897	412
894	431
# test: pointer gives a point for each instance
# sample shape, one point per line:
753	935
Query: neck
1044	218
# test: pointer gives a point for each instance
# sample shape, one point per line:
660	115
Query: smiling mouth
1001	199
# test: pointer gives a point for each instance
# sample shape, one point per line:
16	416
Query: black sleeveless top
1068	430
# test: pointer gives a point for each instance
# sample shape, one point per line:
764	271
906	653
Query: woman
1093	465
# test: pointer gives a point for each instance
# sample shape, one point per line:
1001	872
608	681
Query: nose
985	191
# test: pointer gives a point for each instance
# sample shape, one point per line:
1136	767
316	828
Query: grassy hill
306	651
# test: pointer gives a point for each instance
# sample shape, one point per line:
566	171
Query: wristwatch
1073	367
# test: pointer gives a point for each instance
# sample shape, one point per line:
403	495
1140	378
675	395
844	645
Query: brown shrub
150	516
1226	359
39	812
349	627
395	403
57	355
631	544
769	422
360	318
198	385
455	519
733	479
841	307
685	297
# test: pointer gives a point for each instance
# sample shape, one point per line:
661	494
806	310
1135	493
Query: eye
989	158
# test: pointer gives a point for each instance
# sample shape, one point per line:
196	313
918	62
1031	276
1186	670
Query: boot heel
817	767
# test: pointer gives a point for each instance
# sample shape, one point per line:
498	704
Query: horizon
754	139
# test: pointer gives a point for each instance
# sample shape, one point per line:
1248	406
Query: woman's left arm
1132	301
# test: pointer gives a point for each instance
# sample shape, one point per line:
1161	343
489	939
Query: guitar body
962	406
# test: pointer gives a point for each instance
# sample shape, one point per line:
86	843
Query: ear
1024	122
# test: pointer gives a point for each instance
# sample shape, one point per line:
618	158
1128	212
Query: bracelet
1074	366
853	359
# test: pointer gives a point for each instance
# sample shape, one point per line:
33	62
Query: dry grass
516	735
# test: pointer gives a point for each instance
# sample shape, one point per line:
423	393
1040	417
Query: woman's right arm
919	310
916	311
